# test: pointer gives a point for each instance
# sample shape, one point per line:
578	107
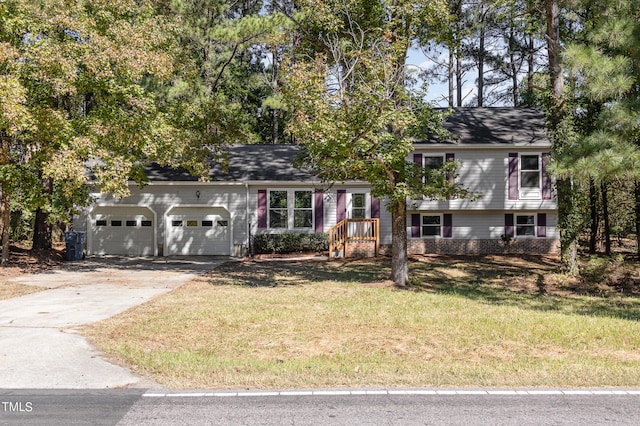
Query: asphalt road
136	407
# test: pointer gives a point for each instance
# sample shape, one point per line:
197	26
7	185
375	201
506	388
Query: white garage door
125	231
198	231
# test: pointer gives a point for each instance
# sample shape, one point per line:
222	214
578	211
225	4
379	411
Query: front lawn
465	321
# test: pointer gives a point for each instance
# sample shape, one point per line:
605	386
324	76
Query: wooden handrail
349	230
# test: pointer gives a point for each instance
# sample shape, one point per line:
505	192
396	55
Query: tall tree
561	134
219	93
606	65
81	80
352	111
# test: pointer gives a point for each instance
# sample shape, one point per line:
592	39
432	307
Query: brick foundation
361	249
447	246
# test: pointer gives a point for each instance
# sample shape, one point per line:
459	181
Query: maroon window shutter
318	211
513	176
508	225
262	208
542	225
546	179
375	208
417	159
415	225
447	225
341	213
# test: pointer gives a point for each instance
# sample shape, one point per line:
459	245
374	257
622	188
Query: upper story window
528	179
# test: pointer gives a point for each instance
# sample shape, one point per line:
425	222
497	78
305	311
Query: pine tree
607	67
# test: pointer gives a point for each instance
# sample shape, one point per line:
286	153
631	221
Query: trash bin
74	241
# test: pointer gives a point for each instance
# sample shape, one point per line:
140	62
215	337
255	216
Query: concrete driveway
39	344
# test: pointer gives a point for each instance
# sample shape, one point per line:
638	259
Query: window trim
443	156
534	225
440	225
367	203
525	193
302	209
291	209
270	209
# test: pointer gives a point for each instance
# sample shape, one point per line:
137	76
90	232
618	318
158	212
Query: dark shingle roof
246	163
468	126
496	126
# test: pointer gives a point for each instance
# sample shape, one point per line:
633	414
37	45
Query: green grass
499	322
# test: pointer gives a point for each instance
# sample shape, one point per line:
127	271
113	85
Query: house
503	154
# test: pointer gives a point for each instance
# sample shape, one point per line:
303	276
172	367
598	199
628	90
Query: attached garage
121	230
197	230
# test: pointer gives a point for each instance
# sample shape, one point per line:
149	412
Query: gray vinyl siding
473	225
484	172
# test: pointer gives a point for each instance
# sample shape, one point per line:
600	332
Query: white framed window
431	226
530	178
278	209
303	209
432	162
526	225
290	209
358	205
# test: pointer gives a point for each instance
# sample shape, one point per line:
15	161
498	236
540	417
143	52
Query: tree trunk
531	66
514	68
452	59
559	137
275	131
605	216
593	206
5	207
481	55
554	49
5	221
459	79
399	262
275	135
42	233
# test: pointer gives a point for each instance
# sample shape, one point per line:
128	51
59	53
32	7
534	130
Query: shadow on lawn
530	283
280	273
527	282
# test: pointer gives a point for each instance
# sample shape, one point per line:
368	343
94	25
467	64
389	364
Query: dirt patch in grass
464	321
22	260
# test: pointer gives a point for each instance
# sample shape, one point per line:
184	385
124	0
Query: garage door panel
198	231
122	231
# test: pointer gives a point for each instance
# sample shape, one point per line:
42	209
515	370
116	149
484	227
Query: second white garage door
198	231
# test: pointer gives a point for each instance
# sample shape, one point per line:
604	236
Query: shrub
290	243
